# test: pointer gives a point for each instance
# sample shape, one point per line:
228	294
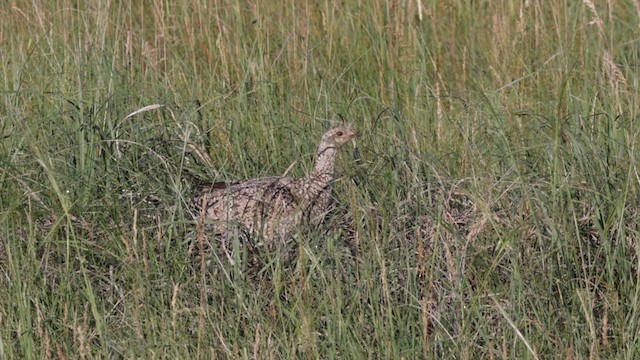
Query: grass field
492	210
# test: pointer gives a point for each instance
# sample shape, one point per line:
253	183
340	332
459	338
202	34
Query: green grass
494	203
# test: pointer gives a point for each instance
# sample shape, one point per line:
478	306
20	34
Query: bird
270	208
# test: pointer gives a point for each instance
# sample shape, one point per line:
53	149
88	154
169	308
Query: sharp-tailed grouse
271	207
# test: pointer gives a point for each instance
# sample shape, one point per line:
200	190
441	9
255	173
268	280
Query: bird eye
339	133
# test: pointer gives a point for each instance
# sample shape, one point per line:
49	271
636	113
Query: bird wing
260	197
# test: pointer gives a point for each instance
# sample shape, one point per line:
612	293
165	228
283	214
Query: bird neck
324	165
317	185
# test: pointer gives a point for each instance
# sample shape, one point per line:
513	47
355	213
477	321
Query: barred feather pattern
271	207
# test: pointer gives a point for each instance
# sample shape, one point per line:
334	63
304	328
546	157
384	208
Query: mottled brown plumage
272	207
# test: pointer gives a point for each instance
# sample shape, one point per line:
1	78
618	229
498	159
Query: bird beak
353	138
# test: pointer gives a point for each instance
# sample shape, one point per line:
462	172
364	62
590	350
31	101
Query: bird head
339	135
